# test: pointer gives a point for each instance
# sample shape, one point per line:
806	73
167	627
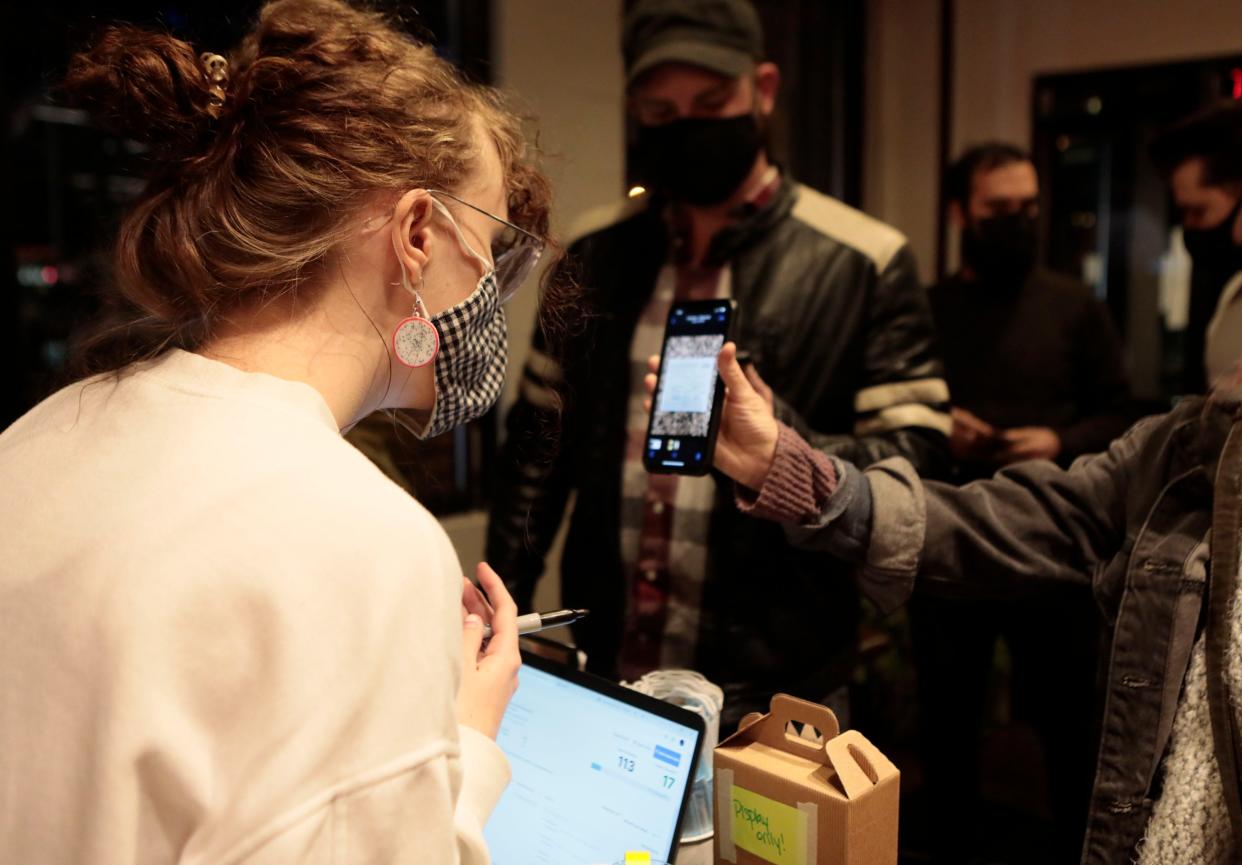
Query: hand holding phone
746	444
686	404
748	433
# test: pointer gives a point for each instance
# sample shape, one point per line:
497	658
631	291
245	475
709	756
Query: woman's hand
488	675
746	442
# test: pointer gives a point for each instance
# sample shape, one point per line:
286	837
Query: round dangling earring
416	342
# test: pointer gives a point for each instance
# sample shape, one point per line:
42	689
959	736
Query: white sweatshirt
225	637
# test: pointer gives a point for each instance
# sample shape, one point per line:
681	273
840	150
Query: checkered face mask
470	368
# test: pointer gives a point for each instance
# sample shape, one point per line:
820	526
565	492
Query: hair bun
147	86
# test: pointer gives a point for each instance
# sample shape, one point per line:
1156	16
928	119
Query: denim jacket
1132	522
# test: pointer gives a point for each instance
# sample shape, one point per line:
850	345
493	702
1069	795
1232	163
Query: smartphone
685	411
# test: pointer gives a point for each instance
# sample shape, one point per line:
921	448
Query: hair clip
216	68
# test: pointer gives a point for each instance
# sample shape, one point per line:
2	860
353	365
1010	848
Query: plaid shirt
664	518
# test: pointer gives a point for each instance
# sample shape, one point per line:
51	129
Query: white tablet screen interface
593	777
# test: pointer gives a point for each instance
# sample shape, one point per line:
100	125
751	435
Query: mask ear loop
488	265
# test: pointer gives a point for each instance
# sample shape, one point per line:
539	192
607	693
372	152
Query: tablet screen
594	776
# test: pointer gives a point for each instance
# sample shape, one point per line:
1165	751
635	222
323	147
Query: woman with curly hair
227	637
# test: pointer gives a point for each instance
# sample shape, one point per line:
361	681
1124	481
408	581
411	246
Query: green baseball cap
723	36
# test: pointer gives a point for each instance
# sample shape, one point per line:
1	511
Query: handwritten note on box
769	829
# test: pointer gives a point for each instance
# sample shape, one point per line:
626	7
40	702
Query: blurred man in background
1202	159
1036	371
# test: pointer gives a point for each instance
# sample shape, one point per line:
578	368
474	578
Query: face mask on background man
700	160
1001	249
1213	249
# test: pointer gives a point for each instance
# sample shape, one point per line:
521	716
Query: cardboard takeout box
784	800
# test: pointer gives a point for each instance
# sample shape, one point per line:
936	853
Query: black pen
532	622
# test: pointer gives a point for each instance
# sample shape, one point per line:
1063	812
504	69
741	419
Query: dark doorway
1106	211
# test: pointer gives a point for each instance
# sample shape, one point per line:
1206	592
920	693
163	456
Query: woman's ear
411	235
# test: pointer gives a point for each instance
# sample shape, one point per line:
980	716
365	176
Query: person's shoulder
1072	297
876	240
1154	439
316	510
283	465
607	217
1070	301
331	475
1063	287
57	409
950	286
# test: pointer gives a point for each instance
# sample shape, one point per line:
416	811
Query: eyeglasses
515	251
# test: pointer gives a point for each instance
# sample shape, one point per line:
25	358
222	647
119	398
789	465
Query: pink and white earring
416	342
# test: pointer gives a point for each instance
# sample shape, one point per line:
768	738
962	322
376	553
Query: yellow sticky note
771	830
638	857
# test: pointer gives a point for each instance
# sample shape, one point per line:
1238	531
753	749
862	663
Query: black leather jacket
832	312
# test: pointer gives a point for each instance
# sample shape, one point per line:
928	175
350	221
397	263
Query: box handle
858	764
784	708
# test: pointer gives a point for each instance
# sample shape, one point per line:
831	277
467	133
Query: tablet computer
598	770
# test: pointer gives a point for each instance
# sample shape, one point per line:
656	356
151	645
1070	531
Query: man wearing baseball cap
834	319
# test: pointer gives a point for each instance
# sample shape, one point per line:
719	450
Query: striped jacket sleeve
901	402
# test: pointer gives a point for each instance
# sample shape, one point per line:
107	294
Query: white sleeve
485	773
396	815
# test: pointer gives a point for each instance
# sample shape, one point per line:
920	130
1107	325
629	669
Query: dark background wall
64	182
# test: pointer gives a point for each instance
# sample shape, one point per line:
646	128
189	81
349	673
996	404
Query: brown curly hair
326	106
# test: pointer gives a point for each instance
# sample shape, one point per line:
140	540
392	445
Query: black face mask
1213	249
700	161
1001	249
